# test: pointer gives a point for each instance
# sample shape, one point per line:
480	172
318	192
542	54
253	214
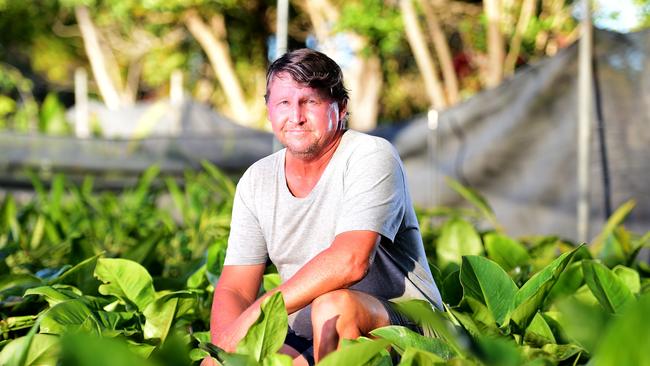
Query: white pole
81	128
584	121
432	144
176	88
281	28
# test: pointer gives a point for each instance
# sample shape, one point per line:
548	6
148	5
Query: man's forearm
334	268
227	306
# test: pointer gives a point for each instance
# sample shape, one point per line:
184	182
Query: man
331	211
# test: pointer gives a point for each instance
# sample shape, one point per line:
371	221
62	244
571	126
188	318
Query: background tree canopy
401	57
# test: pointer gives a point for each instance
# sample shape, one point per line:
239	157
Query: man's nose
297	113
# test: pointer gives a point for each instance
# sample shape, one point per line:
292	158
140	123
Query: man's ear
344	116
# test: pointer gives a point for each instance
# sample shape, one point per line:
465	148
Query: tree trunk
443	52
365	82
363	75
494	43
422	57
217	50
100	65
526	14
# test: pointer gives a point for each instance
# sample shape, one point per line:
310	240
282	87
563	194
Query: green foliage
266	336
381	24
87	277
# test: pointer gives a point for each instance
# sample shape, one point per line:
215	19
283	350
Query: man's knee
335	303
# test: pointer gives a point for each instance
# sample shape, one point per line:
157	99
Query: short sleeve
246	243
374	192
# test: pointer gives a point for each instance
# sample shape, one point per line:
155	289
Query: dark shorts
305	346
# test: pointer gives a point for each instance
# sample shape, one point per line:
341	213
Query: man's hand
234	308
229	336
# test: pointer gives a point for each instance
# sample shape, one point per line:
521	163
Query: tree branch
217	50
98	63
422	57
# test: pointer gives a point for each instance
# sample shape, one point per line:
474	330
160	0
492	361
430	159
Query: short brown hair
311	68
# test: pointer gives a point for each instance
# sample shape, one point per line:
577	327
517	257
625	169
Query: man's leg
344	314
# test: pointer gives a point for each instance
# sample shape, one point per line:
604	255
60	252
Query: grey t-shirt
362	188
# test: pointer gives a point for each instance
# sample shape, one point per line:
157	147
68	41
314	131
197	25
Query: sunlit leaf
54	295
18	354
418	357
583	323
629	277
402	338
616	219
609	289
126	280
531	296
69	316
81	349
277	359
499	352
457	238
422	313
627	339
538	331
42	351
266	335
356	354
486	281
160	315
271	281
506	251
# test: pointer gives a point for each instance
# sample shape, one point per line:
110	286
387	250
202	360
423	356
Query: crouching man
333	213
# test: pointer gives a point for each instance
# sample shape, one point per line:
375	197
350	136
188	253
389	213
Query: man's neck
302	173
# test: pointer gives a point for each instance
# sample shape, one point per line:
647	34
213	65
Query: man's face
303	119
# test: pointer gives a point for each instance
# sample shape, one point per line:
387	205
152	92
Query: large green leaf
113	323
68	316
627	339
539	332
43	350
126	280
457	238
466	321
568	284
609	289
81	349
266	335
55	295
500	351
615	220
355	354
506	251
629	277
452	289
583	323
19	353
402	338
277	359
422	313
159	315
531	296
485	281
271	281
382	358
414	356
561	352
